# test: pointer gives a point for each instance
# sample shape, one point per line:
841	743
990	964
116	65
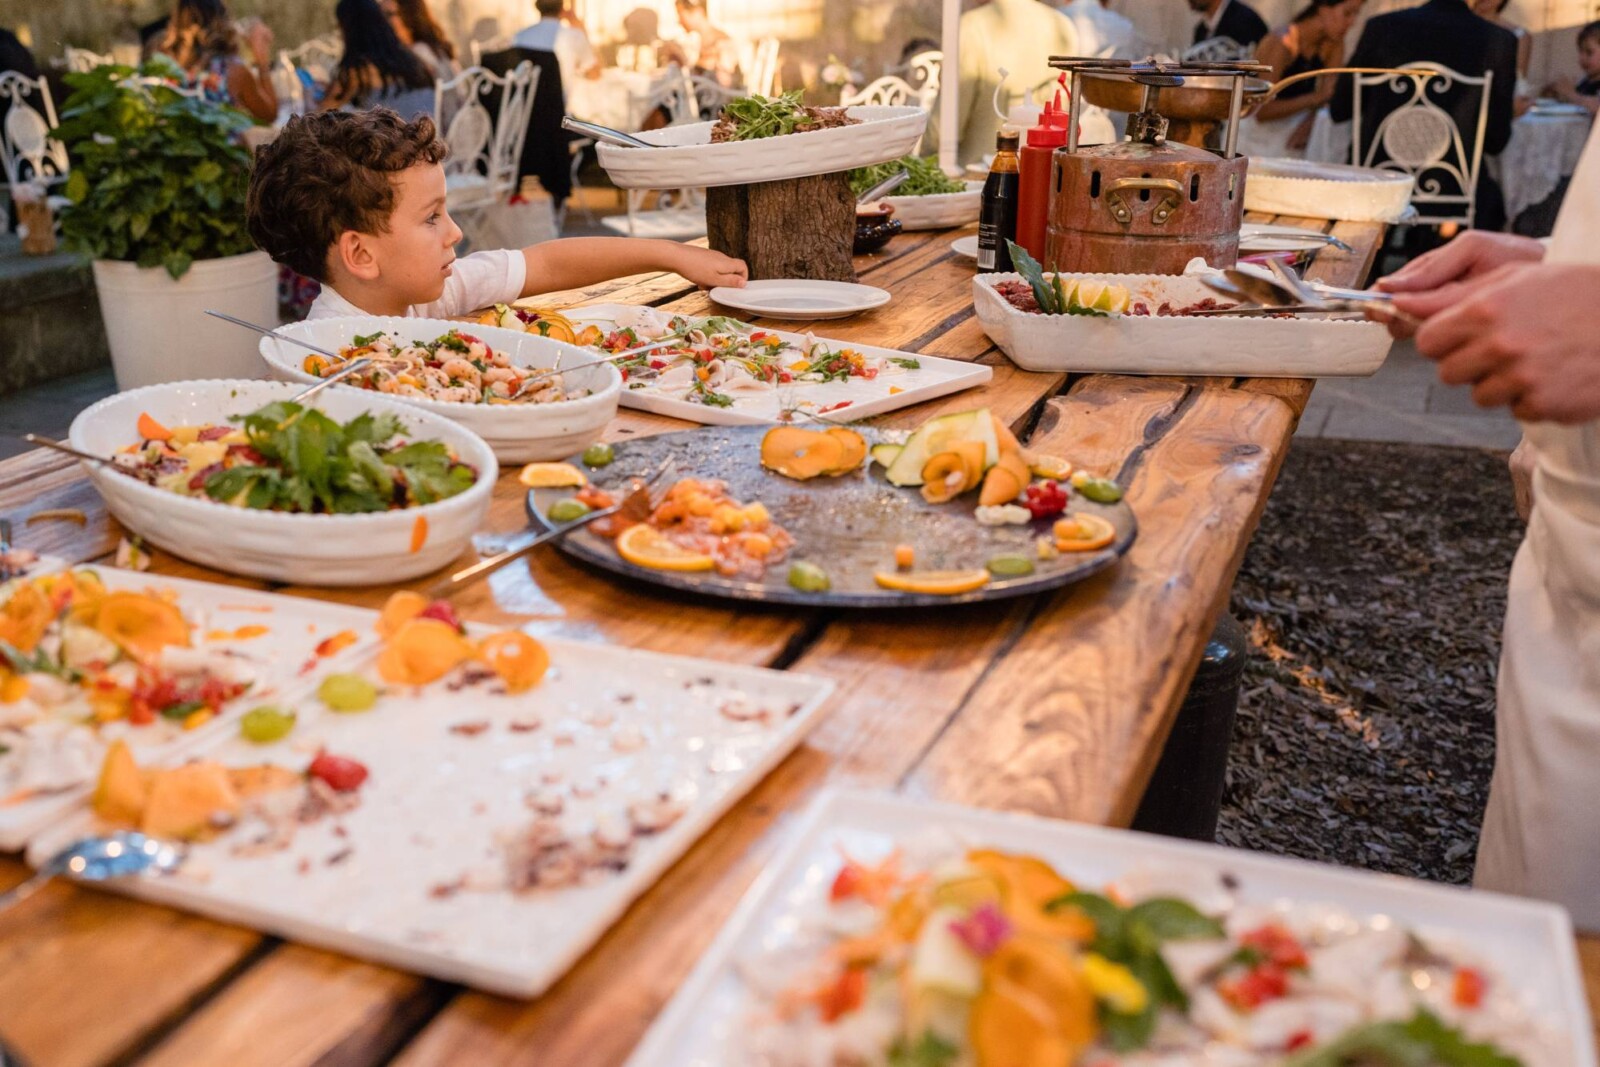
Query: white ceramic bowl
939	211
370	549
518	433
686	156
1326	190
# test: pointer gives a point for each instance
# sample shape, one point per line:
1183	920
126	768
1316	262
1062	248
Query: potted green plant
157	198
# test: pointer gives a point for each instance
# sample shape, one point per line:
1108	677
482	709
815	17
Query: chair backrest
1219	50
481	142
82	61
288	87
318	56
27	150
478	49
672	92
709	95
760	64
889	90
1420	138
923	72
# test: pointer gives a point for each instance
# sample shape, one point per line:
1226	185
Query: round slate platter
849	526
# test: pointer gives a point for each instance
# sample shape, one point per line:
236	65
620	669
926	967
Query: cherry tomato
343	775
1468	988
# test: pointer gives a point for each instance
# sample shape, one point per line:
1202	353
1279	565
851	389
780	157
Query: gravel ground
1373	594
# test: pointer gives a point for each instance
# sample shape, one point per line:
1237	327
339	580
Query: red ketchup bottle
1033	195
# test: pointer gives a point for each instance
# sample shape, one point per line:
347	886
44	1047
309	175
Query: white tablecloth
1543	149
614	99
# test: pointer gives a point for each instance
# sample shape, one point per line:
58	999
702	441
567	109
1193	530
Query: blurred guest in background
377	69
1313	41
1102	33
1494	11
1586	92
1228	20
570	44
641	32
414	24
202	40
706	50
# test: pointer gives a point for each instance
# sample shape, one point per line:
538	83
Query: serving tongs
1286	291
637	506
349	366
604	133
884	188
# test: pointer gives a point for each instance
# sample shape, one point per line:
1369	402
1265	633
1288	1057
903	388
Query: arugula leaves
1424	1041
312	463
1133	937
930	1050
926	179
753	117
907	363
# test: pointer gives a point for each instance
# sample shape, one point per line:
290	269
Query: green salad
926	178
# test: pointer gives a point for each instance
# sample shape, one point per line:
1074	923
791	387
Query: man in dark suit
1448	33
1233	19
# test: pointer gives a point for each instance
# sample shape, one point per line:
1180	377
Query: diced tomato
759	335
140	713
846	883
343	775
1298	1040
1278	946
1260	984
847	993
835	407
1468	988
469	339
337	643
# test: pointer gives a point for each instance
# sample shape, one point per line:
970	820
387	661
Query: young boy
1586	93
356	200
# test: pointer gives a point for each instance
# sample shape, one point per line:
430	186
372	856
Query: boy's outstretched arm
577	261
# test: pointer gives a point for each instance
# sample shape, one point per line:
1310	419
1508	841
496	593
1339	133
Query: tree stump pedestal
795	228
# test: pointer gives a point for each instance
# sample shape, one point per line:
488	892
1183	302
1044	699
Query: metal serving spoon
99	859
885	187
1272	293
665	342
59	446
351	367
604	133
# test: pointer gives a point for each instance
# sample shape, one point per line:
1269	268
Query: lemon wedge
552	476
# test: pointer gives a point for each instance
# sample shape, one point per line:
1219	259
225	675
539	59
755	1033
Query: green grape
266	724
347	692
568	510
809	578
599	455
1100	490
1010	566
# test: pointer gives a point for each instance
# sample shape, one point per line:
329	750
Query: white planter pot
158	328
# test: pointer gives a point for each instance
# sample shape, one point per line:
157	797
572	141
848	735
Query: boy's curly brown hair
331	172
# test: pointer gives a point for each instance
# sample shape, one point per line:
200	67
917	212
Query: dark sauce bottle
997	222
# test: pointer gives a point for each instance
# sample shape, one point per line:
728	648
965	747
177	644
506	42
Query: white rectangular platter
412	877
278	659
935	377
1177	344
1528	942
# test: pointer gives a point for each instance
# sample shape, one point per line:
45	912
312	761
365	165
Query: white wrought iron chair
317	57
28	152
485	151
1219	50
891	90
924	71
1421	139
680	214
478	49
709	96
82	61
759	61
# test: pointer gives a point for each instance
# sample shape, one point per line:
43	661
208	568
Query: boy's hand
709	269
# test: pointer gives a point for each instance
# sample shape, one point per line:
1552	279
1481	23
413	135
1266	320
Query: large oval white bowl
518	433
371	549
938	211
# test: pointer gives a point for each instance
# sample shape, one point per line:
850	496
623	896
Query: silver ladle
99	859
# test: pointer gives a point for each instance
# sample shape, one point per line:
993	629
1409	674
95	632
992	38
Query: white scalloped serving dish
686	156
1179	344
1326	190
939	211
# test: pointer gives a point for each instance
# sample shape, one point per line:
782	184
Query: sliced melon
855	449
801	454
185	801
122	791
940	435
884	455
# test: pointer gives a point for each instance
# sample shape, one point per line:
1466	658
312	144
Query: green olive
599	455
809	578
568	510
1010	566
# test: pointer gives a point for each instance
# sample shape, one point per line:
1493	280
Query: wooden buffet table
1058	705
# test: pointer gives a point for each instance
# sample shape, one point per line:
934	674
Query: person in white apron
1520	323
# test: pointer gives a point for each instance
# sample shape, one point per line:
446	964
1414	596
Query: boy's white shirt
476	281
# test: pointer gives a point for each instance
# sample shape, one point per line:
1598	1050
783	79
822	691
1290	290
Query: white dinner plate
1262	237
1559	108
965	246
799	299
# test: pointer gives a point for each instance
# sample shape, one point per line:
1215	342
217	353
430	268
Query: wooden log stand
796	228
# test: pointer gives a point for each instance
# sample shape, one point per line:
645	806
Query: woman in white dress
1312	41
1516	320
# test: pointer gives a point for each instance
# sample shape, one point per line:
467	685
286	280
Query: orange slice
1083	533
552	476
936	583
645	546
1056	468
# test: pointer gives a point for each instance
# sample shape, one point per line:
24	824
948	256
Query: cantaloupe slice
1011	1026
141	624
944	476
855	449
801	454
519	660
1047	970
398	610
423	651
1005	481
186	801
123	789
1004	437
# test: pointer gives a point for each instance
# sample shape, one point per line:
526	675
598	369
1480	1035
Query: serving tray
1327	190
687	158
848	525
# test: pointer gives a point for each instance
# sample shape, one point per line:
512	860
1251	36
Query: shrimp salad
718	361
453	368
942	955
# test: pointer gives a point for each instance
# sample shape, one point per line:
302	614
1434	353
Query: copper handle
1279	86
1159	214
